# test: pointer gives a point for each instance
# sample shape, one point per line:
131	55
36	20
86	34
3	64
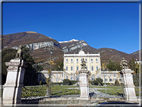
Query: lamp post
49	87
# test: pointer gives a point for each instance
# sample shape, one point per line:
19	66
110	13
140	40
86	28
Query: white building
72	63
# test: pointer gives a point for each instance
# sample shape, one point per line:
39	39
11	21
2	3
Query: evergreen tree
132	64
7	55
113	66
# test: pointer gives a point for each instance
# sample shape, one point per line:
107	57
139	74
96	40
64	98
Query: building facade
72	64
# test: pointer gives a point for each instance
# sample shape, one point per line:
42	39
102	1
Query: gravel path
94	93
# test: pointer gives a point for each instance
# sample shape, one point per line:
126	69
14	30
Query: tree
132	64
66	82
58	65
137	68
116	82
113	66
27	57
7	55
31	75
98	81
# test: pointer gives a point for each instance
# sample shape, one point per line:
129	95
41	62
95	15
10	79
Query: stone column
84	84
14	82
129	87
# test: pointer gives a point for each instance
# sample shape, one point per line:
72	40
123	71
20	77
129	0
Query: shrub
95	82
116	82
57	83
66	82
73	82
98	81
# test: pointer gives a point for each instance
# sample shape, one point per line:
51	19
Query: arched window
66	60
96	60
92	68
71	60
66	68
77	68
77	60
71	68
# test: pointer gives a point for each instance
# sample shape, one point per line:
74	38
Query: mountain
24	38
36	42
74	46
136	54
40	45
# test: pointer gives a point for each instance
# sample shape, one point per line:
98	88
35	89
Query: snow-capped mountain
73	40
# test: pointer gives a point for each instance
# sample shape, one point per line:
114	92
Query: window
62	79
77	60
105	79
56	75
56	79
110	75
92	78
97	76
92	68
96	60
120	80
71	78
52	79
96	68
91	60
85	60
77	68
66	68
86	67
110	79
66	60
71	68
62	75
66	77
71	60
114	75
81	60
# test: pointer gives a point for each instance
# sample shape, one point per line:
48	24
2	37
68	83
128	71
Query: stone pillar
129	87
84	84
14	82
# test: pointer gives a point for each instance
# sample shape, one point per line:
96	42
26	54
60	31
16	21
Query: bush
66	82
116	82
57	83
98	81
73	82
92	82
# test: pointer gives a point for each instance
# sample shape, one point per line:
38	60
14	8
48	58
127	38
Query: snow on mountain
68	41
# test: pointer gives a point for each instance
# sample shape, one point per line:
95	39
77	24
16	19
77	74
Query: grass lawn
64	90
55	90
113	90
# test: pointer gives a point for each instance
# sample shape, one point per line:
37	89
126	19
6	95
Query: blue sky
101	25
